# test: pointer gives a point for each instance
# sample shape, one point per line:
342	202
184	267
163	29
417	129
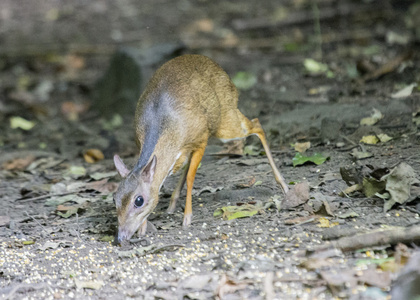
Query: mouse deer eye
139	202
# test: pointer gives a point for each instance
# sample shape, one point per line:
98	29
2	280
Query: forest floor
326	241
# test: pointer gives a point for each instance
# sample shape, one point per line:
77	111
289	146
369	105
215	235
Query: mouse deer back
188	100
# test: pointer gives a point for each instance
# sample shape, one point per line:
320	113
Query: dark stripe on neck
148	146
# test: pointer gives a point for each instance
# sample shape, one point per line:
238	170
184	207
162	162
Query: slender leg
196	157
236	125
143	228
257	130
178	188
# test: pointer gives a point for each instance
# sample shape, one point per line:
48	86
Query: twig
348	140
158	249
375	238
46	196
36	221
268	286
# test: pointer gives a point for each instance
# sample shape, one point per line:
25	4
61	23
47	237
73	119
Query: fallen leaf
235	212
69	211
209	189
302	147
251	150
107	238
314	67
102	175
384	137
49	245
141	251
55	201
63	208
361	154
296	196
112	124
325	223
348	214
316	158
373	119
102	186
244	80
72	110
246	185
351	189
18	163
300	220
398	184
93	285
405	92
75	172
370	139
18	122
371	186
93	155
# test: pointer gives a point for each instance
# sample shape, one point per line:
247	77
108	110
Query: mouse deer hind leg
239	126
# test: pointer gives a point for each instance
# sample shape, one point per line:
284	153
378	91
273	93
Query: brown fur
188	100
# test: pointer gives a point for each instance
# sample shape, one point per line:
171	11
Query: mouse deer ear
149	170
121	167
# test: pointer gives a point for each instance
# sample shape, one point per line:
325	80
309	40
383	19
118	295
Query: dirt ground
57	216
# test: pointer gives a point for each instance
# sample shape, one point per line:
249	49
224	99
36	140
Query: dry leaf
302	147
373	119
298	195
94	285
102	186
18	163
405	92
384	137
370	139
71	110
93	155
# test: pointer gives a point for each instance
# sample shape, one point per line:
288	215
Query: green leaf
376	261
251	150
314	67
244	80
371	186
242	214
112	124
316	158
235	212
75	172
18	122
218	212
107	238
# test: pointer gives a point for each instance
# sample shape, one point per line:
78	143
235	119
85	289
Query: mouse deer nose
120	236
